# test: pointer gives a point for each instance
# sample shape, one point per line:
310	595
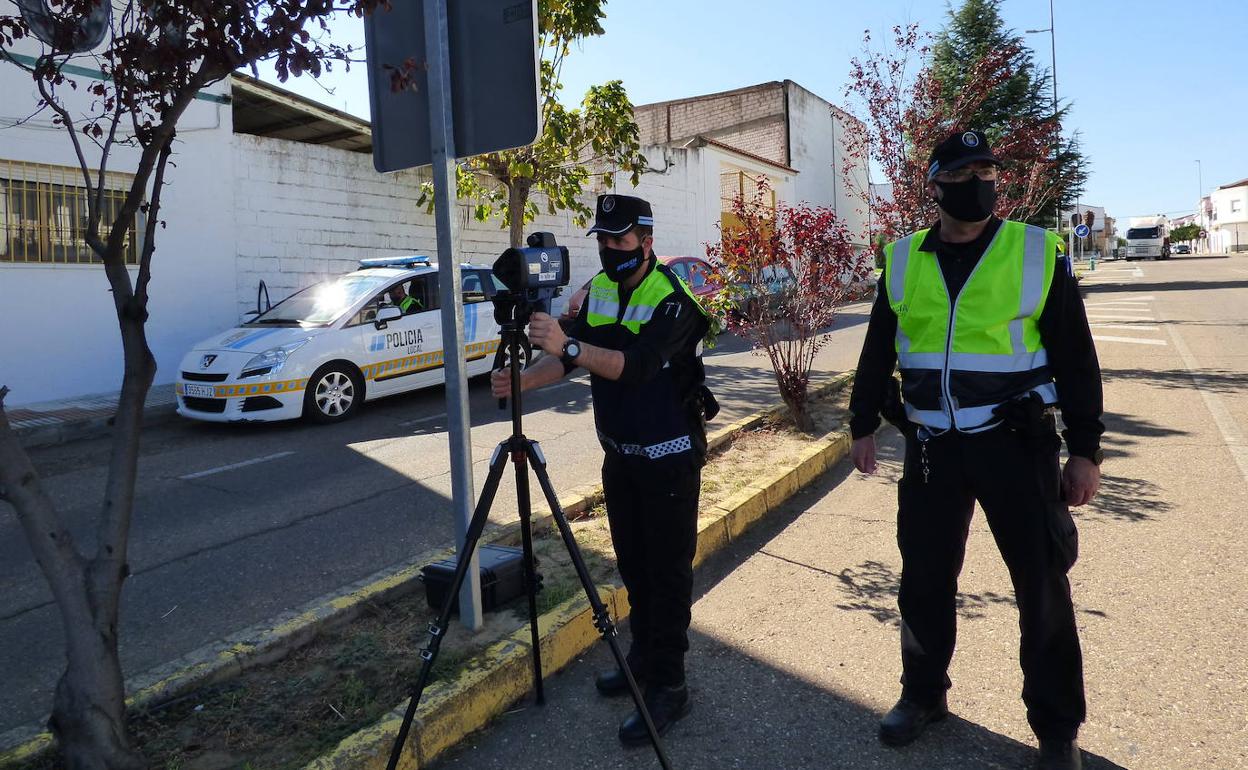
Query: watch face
574	349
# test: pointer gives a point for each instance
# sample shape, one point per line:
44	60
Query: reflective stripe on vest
959	360
604	300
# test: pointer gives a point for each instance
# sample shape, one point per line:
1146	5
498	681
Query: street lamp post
1057	138
1200	199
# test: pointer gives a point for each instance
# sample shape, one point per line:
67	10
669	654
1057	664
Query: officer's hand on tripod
500	382
546	333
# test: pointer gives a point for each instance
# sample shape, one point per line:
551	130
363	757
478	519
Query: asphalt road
795	627
235	524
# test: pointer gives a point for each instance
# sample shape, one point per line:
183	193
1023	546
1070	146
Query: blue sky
1154	86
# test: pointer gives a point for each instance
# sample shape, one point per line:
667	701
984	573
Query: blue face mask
619	264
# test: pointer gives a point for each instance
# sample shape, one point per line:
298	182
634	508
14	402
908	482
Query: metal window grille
734	183
44	215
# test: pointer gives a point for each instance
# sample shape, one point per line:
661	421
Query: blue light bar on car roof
413	261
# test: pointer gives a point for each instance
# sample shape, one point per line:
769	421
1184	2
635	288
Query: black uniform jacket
1064	332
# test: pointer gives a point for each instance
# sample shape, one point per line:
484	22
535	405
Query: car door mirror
387	314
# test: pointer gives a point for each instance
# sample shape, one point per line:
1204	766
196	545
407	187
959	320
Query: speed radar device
533	276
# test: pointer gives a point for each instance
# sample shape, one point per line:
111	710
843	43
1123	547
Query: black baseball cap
959	149
617	214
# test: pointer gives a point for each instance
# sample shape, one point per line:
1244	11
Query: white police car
323	351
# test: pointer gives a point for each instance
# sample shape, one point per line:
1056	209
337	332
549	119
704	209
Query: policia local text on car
638	334
984	318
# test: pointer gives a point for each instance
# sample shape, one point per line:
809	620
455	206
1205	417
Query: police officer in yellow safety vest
639	334
984	319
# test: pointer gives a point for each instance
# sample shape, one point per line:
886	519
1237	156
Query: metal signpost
478	94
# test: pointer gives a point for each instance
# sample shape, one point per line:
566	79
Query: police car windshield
321	304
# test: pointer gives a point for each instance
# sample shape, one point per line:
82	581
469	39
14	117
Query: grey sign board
494	79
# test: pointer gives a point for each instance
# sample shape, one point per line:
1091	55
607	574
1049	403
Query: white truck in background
1148	237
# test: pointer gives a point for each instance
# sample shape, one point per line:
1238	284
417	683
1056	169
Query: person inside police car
402	300
638	333
984	319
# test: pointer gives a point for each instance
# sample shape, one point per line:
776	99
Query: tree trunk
89	709
797	398
517	200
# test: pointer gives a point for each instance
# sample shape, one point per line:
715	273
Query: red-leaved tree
904	112
152	59
783	270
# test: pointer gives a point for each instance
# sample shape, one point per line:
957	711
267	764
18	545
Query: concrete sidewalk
71	419
795	657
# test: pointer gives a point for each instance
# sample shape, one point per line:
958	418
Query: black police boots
612	683
907	720
667	705
1059	755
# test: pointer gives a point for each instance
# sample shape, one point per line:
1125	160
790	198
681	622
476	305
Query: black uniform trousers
652	508
1017	487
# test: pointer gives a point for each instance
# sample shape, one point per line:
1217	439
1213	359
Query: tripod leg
602	617
520	458
436	630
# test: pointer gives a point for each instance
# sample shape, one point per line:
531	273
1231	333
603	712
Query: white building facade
1228	232
270	187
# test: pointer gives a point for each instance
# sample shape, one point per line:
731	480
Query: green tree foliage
599	137
972	32
1185	233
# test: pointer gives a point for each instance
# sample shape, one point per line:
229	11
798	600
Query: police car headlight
271	361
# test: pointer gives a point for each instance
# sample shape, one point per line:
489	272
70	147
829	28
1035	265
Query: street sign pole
442	146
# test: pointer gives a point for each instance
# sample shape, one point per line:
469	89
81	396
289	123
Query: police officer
638	333
985	321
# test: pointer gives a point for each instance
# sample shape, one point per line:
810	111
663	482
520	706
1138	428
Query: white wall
58	330
305	212
818	151
1230	227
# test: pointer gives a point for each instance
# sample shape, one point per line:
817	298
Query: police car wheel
334	394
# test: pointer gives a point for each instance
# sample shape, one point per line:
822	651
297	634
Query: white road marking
1125	327
431	418
1125	304
233	466
1231	434
1136	340
1099	317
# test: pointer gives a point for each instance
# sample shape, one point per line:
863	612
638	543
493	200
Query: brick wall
750	119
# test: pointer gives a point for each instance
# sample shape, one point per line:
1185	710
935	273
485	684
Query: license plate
199	391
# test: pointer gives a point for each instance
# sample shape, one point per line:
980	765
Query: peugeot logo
206	361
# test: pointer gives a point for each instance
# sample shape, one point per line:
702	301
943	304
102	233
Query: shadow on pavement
1106	288
748	712
1216	380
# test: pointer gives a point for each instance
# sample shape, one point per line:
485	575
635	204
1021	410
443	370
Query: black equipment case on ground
502	577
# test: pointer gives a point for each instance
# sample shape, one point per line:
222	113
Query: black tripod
522	451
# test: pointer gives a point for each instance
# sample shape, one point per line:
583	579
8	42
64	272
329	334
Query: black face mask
969	201
619	264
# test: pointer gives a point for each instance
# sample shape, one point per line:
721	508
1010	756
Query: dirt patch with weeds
286	714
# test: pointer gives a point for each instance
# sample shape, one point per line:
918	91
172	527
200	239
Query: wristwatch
571	349
1096	457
